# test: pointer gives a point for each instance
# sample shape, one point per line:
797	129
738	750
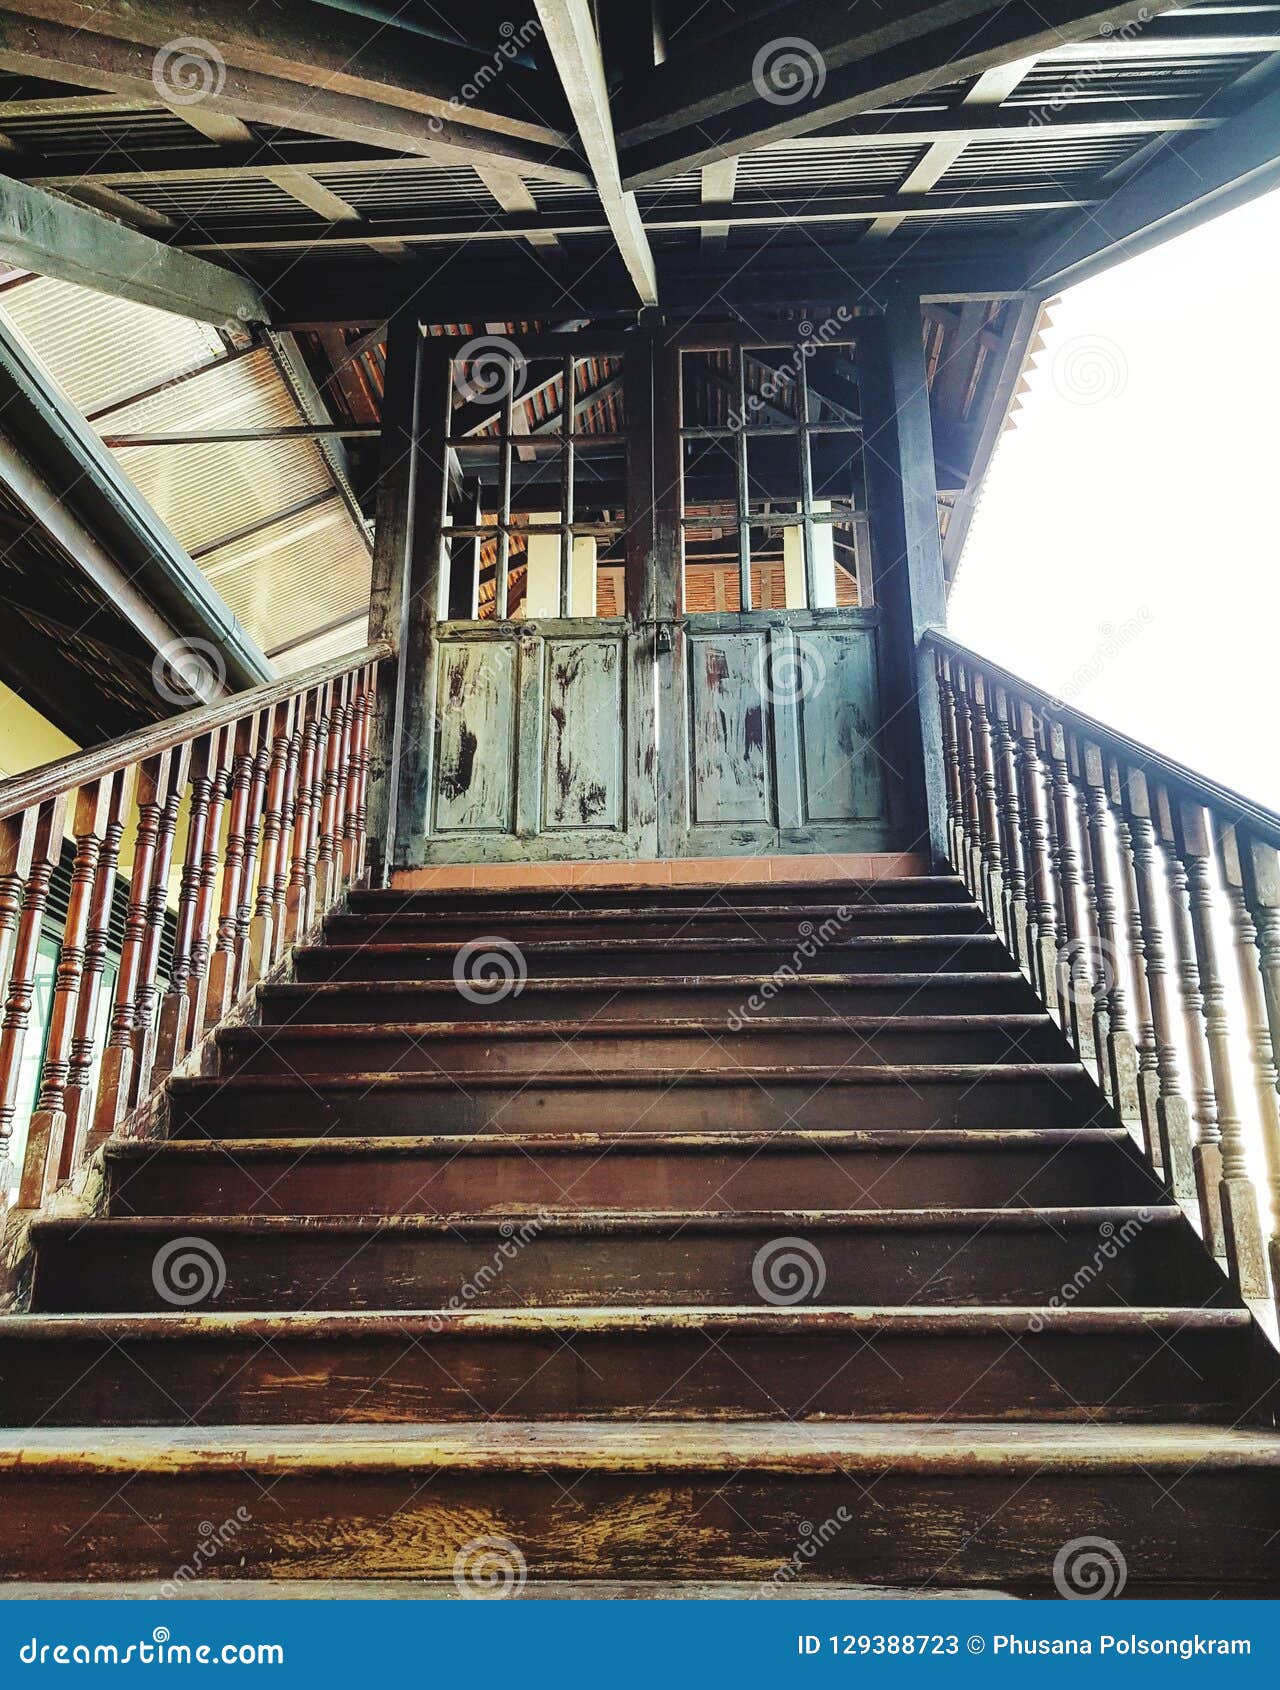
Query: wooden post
393	543
902	494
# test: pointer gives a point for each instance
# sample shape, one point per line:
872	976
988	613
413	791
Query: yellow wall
26	739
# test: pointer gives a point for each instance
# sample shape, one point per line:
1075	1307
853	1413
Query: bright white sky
1126	552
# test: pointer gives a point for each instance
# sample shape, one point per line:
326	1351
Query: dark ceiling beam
769	214
575	49
47	235
337	54
34	47
684	115
1188	180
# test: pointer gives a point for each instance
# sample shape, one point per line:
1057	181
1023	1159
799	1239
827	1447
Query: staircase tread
646	982
801	888
582	1446
514	1078
592	1143
556	1221
959	1021
845	942
839	1318
800	909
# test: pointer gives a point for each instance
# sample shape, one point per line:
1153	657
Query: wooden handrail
268	792
1127	886
1265	823
35	786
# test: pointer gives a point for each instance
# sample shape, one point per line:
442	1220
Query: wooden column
902	492
392	543
424	604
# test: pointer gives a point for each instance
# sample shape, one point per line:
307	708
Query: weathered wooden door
771	691
542	666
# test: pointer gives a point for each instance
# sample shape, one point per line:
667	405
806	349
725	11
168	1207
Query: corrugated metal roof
297	570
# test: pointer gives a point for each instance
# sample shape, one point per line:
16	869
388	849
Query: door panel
584	770
730	770
475	766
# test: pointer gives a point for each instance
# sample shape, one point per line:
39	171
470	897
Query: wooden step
915	1097
548	1047
666	1363
805	928
1061	1167
576	957
1096	1257
898	889
654	998
967	1504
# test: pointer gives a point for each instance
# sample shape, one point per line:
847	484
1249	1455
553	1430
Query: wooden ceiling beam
35	47
48	235
575	49
672	123
334	53
772	213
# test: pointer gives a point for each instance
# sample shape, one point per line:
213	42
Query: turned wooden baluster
1044	904
175	1010
1204	1104
1074	969
1015	853
253	838
1095	954
1241	1225
950	759
145	1029
358	789
319	799
222	741
972	858
992	843
221	994
80	1082
46	848
261	942
1173	1118
326	865
1120	1056
297	894
47	1129
1145	1036
288	826
17	841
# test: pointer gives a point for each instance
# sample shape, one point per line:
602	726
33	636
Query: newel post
902	493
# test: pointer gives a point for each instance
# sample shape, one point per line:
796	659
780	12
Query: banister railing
1143	902
238	824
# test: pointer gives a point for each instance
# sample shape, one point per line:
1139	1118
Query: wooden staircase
673	1260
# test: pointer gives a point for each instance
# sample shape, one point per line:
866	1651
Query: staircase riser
91	1271
280	1051
450	1183
623	1002
576	960
1130	1376
1216	1530
794	930
855	894
207	1110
